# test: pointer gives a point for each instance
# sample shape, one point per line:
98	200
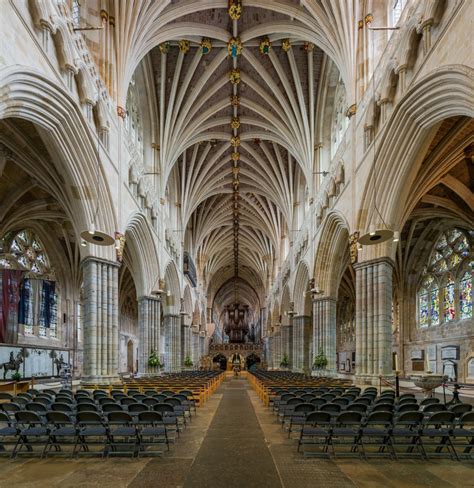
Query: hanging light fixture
375	235
92	235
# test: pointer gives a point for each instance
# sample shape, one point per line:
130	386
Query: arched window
449	312
447	284
465	295
76	12
37	291
133	120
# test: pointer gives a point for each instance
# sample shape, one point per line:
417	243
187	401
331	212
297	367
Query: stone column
373	319
100	312
195	346
149	309
172	336
301	343
324	330
287	342
277	356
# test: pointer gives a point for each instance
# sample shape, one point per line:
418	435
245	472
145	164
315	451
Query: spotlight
396	236
376	237
83	243
97	237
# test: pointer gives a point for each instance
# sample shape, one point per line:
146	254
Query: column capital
318	299
373	262
99	260
148	297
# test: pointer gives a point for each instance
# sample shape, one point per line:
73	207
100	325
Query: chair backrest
385	399
111	407
467	419
65	391
140	396
4	418
286	396
379	418
150	417
43	400
28	417
349	418
429	401
328	396
357	407
161	398
181	398
404	401
127	400
406	395
5	396
330	407
167	392
364	400
317	402
318	418
10	407
173	401
188	393
441	419
21	401
435	407
89	417
460	408
137	407
410	418
87	407
149	392
163	407
61	407
64	399
304	407
105	400
341	401
58	418
291	401
150	401
119	417
36	407
408	407
383	407
49	392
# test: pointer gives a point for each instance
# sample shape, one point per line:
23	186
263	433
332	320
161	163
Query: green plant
154	360
284	362
320	361
188	362
16	376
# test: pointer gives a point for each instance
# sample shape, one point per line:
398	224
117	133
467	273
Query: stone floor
232	442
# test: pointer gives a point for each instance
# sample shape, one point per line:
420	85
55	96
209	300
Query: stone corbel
43	12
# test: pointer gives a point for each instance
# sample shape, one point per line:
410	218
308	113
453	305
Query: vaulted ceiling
237	116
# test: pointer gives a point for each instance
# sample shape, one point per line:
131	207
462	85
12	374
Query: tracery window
37	291
445	291
133	121
340	121
76	12
397	10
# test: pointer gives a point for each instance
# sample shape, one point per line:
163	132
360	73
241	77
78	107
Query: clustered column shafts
301	343
101	307
324	330
149	310
287	341
373	318
172	334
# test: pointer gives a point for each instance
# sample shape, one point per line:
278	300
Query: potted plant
320	361
16	376
154	360
284	362
188	363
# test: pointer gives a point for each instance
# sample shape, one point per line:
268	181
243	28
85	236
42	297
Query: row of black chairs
86	433
438	435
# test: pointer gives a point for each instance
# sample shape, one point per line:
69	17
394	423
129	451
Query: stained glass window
465	288
448	296
447	268
26	253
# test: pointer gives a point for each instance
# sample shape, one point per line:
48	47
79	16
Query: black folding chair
169	418
428	401
122	434
5	396
316	432
318	402
346	432
406	434
92	431
151	433
62	432
298	416
8	433
32	431
460	408
435	435
375	432
462	436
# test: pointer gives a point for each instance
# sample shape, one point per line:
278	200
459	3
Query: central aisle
234	452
